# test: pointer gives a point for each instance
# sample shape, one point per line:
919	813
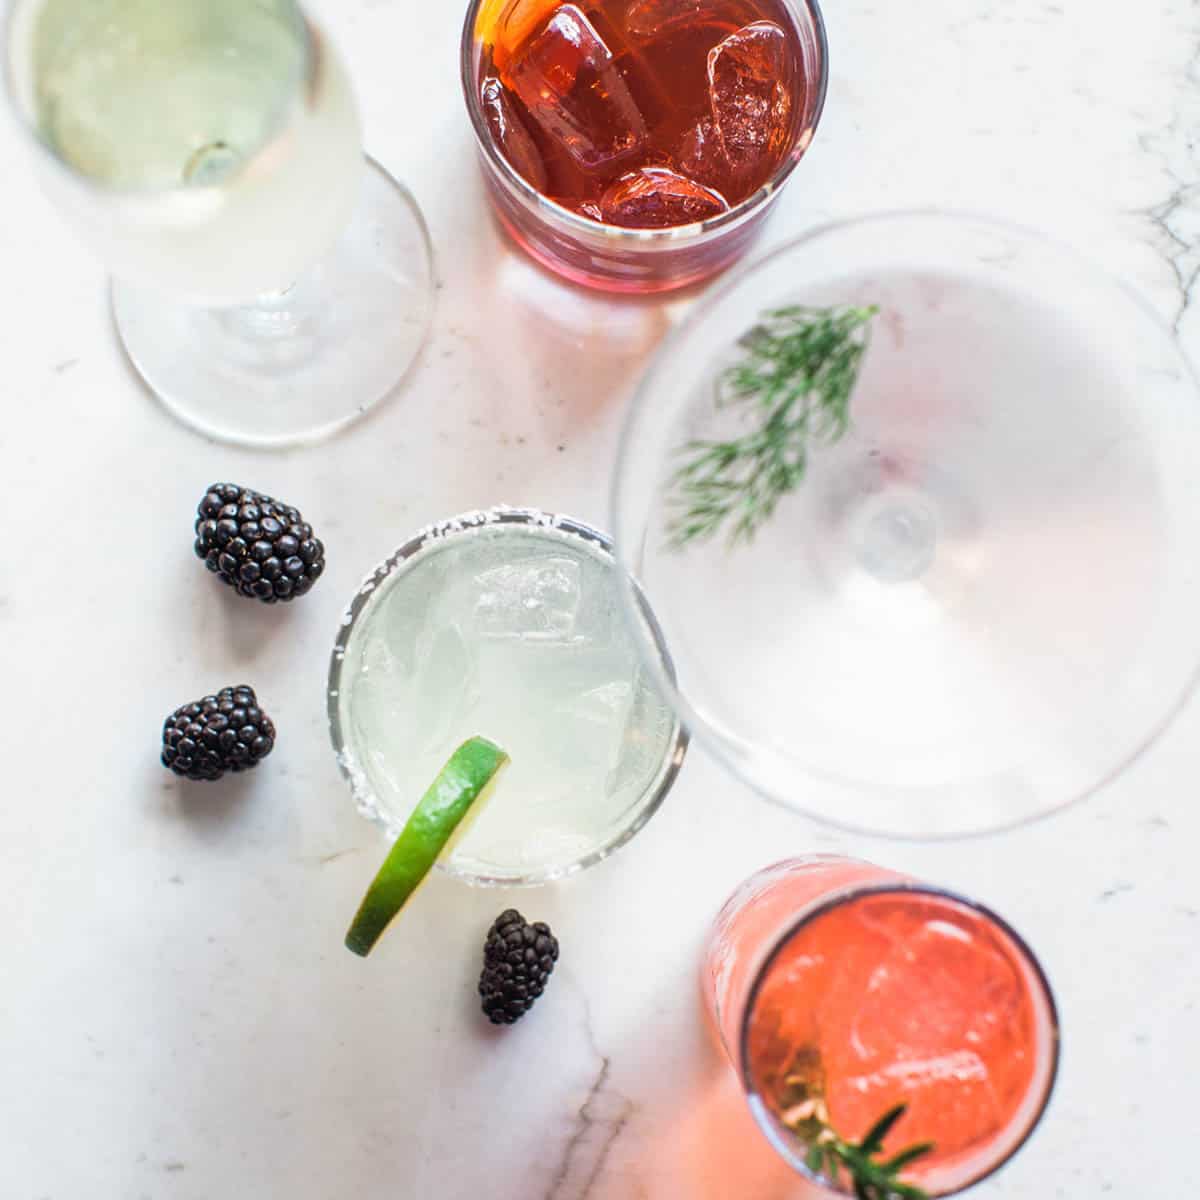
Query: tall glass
612	257
271	284
974	599
505	624
840	989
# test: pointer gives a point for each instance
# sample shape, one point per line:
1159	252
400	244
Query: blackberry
517	961
225	732
264	549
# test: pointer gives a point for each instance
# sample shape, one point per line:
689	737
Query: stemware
270	283
978	602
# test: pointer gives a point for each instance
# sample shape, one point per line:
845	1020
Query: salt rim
568	529
466	522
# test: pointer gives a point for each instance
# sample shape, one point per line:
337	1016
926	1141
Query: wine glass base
300	365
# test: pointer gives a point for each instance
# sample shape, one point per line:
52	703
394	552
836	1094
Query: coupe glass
979	603
271	284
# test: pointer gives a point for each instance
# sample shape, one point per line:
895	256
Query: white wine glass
271	284
979	598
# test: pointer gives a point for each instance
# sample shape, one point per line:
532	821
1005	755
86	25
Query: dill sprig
870	1176
797	373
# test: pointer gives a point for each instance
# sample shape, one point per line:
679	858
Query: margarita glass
505	624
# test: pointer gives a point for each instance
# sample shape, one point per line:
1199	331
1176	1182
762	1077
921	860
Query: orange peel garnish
504	26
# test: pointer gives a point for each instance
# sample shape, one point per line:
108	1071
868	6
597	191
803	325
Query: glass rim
848	894
465	525
715	737
305	81
643	238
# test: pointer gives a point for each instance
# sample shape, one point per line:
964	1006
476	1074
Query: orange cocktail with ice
843	992
636	144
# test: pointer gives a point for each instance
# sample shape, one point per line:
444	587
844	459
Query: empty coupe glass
977	597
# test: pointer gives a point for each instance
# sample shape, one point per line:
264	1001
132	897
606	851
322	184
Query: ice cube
504	25
940	1023
649	17
589	728
586	208
700	155
535	598
653	197
953	1093
607	704
642	738
566	77
446	684
510	135
749	83
976	996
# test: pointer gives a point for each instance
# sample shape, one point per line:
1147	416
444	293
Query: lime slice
435	827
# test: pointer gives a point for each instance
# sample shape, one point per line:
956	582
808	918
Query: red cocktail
841	990
636	145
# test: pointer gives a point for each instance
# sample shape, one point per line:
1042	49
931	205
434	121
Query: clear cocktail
841	990
270	283
504	624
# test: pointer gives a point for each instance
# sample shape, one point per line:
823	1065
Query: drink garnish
262	548
796	375
518	960
858	1164
437	823
505	25
223	732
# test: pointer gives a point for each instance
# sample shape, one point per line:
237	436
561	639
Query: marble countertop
178	1018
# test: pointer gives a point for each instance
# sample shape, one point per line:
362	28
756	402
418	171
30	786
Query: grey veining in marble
178	1018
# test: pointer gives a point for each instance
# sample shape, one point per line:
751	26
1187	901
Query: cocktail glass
611	134
840	990
271	284
505	624
977	601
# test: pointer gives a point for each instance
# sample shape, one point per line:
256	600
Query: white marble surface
178	1019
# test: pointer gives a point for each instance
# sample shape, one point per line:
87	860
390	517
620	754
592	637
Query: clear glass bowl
637	261
982	602
540	825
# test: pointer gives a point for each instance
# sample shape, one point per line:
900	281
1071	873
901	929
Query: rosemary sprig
797	374
871	1177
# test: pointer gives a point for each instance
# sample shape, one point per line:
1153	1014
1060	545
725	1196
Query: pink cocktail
637	145
841	990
